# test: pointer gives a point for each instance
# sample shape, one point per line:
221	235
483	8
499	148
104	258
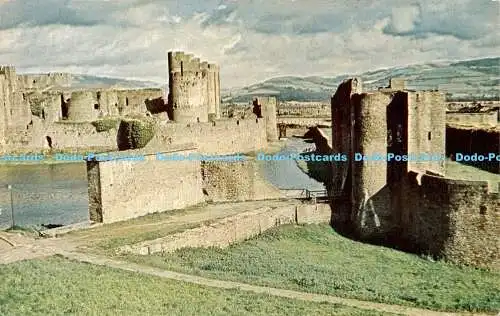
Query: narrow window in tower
429	135
182	68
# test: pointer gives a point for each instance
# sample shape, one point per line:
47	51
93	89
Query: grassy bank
60	287
316	259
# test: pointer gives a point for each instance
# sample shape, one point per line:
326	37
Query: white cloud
313	38
404	19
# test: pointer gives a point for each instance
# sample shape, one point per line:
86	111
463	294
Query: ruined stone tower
369	127
265	107
194	88
82	106
15	113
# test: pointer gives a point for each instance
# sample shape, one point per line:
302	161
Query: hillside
477	79
87	81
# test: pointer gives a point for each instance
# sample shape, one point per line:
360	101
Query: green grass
315	259
457	170
55	286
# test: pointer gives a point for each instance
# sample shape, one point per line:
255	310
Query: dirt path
16	247
103	261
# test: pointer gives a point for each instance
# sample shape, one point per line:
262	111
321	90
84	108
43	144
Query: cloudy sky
252	40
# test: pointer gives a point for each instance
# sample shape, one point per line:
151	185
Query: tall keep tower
194	88
378	129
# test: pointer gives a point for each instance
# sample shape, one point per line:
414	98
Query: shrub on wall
135	133
105	124
36	108
37	104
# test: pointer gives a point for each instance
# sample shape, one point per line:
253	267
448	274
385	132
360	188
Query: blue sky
252	40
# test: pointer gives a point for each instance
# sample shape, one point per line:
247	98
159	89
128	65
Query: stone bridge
305	121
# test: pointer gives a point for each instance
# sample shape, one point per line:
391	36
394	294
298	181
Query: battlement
397	83
194	88
43	81
9	73
182	63
7	70
409	198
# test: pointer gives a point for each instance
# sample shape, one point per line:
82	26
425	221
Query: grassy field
60	287
454	170
314	258
457	170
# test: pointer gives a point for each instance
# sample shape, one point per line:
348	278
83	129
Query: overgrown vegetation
36	102
37	108
135	133
314	258
60	287
105	124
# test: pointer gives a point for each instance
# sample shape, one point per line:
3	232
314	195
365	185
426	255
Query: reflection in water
42	194
57	193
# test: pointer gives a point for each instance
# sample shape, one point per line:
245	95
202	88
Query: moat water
43	194
57	193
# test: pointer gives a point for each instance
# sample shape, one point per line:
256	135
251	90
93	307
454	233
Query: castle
193	83
411	204
43	112
407	203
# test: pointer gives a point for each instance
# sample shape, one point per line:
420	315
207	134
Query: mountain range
88	81
477	79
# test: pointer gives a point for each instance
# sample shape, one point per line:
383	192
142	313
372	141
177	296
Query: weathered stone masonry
125	189
266	107
194	88
410	204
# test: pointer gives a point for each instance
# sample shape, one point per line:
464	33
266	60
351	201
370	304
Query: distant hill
477	79
87	81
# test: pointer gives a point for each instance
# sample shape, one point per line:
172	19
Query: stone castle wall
219	137
70	136
303	121
455	219
267	108
125	189
235	228
426	130
140	101
400	203
473	119
194	88
44	81
342	142
16	114
6	100
304	109
46	106
235	181
369	178
90	105
82	106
